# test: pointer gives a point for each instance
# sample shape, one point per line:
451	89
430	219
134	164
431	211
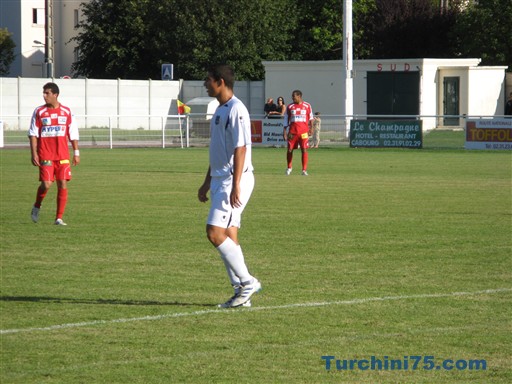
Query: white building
25	20
426	87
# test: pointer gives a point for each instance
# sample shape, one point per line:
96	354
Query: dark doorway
393	93
451	100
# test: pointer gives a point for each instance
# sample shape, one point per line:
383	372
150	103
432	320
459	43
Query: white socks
233	258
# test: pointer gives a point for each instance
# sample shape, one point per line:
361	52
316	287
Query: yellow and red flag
182	108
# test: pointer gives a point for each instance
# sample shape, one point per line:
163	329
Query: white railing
193	130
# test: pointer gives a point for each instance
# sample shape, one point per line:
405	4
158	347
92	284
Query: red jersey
53	127
297	116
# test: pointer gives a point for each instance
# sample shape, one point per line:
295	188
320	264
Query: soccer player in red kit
51	127
298	118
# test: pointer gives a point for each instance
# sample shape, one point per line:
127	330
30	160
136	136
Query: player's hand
35	160
202	193
76	160
234	197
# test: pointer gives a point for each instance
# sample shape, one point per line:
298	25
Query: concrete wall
100	100
103	100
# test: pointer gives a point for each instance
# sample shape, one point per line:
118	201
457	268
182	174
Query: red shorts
51	170
294	140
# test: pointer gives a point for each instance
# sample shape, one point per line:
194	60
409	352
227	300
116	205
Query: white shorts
222	214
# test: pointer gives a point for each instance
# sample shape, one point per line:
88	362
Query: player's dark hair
52	87
224	72
297	92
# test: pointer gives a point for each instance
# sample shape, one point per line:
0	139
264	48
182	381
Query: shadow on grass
62	300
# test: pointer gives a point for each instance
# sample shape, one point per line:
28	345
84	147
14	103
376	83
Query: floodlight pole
347	62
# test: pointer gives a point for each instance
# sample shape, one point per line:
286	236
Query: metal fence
184	131
153	131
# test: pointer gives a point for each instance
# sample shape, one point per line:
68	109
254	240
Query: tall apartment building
26	21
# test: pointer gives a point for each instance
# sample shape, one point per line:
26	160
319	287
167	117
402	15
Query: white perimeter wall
101	100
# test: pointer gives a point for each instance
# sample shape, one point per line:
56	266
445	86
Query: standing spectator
280	109
51	127
298	119
508	106
269	107
315	131
230	181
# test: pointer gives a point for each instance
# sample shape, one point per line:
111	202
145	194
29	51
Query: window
76	18
38	16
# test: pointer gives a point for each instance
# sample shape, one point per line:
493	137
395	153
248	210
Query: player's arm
76	152
238	169
33	134
203	189
33	150
285	125
73	137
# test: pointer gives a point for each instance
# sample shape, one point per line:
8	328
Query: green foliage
6	51
405	29
131	39
484	30
319	35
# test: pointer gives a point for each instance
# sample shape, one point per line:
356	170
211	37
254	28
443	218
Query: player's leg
222	231
63	175
46	177
291	145
304	144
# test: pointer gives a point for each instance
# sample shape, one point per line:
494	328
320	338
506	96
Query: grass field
378	253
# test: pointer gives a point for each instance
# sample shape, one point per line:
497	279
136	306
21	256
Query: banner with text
267	132
386	134
492	134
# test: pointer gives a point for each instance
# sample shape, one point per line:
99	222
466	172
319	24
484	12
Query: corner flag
182	108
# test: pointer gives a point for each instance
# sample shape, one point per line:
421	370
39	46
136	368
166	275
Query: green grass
362	258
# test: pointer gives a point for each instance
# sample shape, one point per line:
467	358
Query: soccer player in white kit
230	181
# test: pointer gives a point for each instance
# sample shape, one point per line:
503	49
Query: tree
407	29
319	33
484	30
6	51
112	43
131	39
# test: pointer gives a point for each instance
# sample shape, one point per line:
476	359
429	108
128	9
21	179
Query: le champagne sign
386	134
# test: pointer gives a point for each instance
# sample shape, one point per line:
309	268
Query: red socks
41	193
62	199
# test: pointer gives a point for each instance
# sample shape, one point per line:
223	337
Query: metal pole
48	30
348	62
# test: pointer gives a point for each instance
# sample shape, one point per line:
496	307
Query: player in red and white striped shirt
297	118
51	127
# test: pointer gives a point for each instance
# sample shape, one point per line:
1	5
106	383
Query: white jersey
230	128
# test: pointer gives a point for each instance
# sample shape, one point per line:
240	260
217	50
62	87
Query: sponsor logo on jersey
62	120
53	115
53	131
46	120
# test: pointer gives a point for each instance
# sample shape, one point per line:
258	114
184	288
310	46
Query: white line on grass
223	311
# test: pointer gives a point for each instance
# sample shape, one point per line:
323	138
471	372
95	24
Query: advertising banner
386	134
495	134
267	132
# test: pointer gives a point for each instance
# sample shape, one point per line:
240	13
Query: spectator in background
269	107
280	109
315	131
